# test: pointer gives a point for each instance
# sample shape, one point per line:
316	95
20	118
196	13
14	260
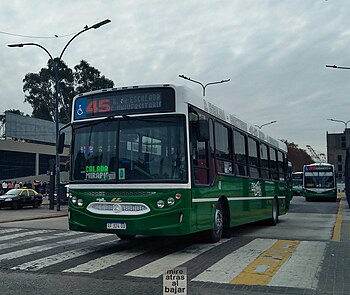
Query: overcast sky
274	52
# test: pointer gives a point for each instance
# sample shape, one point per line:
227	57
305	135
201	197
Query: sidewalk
29	213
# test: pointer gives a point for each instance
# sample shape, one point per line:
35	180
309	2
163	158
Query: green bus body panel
192	213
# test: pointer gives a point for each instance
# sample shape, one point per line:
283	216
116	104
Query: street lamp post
203	86
56	96
261	126
340	121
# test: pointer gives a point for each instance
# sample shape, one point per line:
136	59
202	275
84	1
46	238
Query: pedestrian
10	185
29	184
4	186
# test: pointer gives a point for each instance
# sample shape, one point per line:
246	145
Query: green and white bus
319	182
297	180
158	160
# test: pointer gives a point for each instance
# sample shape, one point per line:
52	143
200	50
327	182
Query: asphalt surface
334	277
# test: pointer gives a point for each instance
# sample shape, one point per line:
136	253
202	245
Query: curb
35	217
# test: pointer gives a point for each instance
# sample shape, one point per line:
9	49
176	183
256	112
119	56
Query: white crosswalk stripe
303	264
105	261
37	249
9	230
36	239
20	235
160	266
233	264
54	259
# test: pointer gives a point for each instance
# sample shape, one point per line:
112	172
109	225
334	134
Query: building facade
336	151
26	149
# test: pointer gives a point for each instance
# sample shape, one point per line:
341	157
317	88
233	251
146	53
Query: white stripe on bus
160	266
199	200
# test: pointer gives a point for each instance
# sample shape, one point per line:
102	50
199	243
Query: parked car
18	198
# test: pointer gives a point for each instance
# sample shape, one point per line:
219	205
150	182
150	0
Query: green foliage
297	156
39	88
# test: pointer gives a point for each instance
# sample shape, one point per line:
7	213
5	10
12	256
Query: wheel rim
218	221
274	210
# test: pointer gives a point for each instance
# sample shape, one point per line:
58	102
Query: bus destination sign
318	168
123	102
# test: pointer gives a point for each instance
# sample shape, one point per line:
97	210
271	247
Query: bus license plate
116	225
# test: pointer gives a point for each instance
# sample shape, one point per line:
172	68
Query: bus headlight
160	204
74	200
80	202
170	201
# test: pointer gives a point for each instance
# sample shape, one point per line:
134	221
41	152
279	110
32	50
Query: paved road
301	255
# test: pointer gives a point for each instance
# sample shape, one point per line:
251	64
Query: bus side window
264	161
253	158
239	142
199	155
273	164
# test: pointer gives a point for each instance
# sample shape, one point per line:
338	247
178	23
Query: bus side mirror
61	143
202	130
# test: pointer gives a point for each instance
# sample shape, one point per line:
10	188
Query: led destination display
131	101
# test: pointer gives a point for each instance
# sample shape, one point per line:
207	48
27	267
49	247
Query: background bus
297	180
158	160
319	182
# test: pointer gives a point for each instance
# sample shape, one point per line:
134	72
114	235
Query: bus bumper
170	223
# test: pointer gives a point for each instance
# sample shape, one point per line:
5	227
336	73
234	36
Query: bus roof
189	96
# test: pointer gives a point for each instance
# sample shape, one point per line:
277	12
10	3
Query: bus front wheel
214	235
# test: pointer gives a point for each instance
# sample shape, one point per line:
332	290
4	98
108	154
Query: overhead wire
37	37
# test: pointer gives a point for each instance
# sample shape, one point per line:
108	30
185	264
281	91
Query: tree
297	156
39	88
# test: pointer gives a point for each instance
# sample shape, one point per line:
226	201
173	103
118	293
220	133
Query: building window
339	158
340	168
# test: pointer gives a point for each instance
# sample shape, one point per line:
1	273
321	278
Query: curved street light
261	126
337	67
203	86
340	121
55	67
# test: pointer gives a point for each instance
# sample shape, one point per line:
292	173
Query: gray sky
274	52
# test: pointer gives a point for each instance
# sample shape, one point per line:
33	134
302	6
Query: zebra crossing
230	261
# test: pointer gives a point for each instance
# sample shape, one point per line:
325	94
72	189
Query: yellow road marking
264	267
338	221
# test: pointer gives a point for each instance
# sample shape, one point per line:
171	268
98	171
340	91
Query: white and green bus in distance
297	180
158	160
319	182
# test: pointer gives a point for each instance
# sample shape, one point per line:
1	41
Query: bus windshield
319	180
130	150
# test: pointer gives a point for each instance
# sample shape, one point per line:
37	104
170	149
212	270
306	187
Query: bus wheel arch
226	217
220	219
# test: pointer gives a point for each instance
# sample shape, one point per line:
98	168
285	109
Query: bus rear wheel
125	237
274	213
214	235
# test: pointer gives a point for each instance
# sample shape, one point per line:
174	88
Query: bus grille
109	208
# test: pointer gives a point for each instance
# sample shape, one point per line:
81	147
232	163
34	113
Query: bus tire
214	235
125	237
274	213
